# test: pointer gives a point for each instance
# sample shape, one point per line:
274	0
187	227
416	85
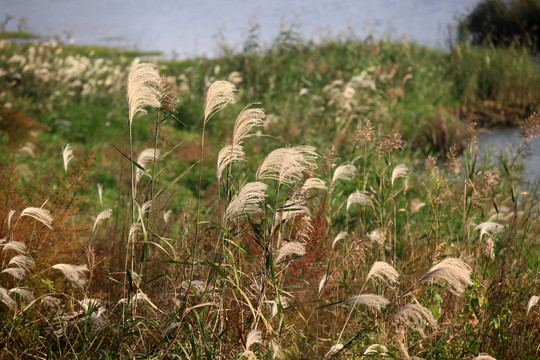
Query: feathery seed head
41	215
145	158
291	248
334	350
398	172
532	301
100	193
323	282
254	337
105	214
484	356
167	215
73	273
377	236
227	155
248	118
376	302
10	215
342	235
454	271
313	183
383	271
17	272
17	246
489	227
143	88
67	154
6	299
287	165
415	317
133	231
23	292
247	201
360	197
376	349
22	261
343	172
219	94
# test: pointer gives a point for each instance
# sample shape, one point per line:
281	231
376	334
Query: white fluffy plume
67	154
246	120
333	350
489	227
344	172
374	301
227	155
6	299
247	201
219	94
22	261
399	172
10	215
17	246
41	215
484	356
16	272
342	235
145	158
376	349
360	197
454	271
532	301
76	274
383	271
377	236
415	317
291	248
313	183
23	293
287	165
143	88
105	214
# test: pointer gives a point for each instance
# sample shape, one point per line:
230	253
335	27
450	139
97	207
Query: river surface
492	142
188	28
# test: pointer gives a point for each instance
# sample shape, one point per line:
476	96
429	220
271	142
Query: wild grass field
304	201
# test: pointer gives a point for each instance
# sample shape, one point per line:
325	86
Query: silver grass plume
105	214
144	159
360	197
415	317
100	193
287	165
376	349
399	172
133	231
323	282
17	246
383	271
334	350
292	208
23	293
254	337
489	227
344	172
73	273
247	201
10	215
246	120
227	155
276	350
219	94
374	301
313	183
146	206
342	235
16	272
67	154
6	299
143	88
484	356
377	236
41	215
532	301
291	248
22	261
454	271
50	301
167	215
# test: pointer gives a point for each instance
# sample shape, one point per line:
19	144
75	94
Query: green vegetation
350	218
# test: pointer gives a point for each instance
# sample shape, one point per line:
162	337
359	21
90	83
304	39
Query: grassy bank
347	216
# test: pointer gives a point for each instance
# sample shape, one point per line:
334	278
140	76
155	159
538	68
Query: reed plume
344	172
383	271
360	197
41	215
376	349
144	159
219	94
7	300
247	201
23	293
489	227
454	271
374	301
105	214
22	261
73	273
10	215
416	317
532	301
143	88
67	154
287	165
484	356
342	235
399	172
291	248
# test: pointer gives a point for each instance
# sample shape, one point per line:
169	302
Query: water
187	28
492	142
